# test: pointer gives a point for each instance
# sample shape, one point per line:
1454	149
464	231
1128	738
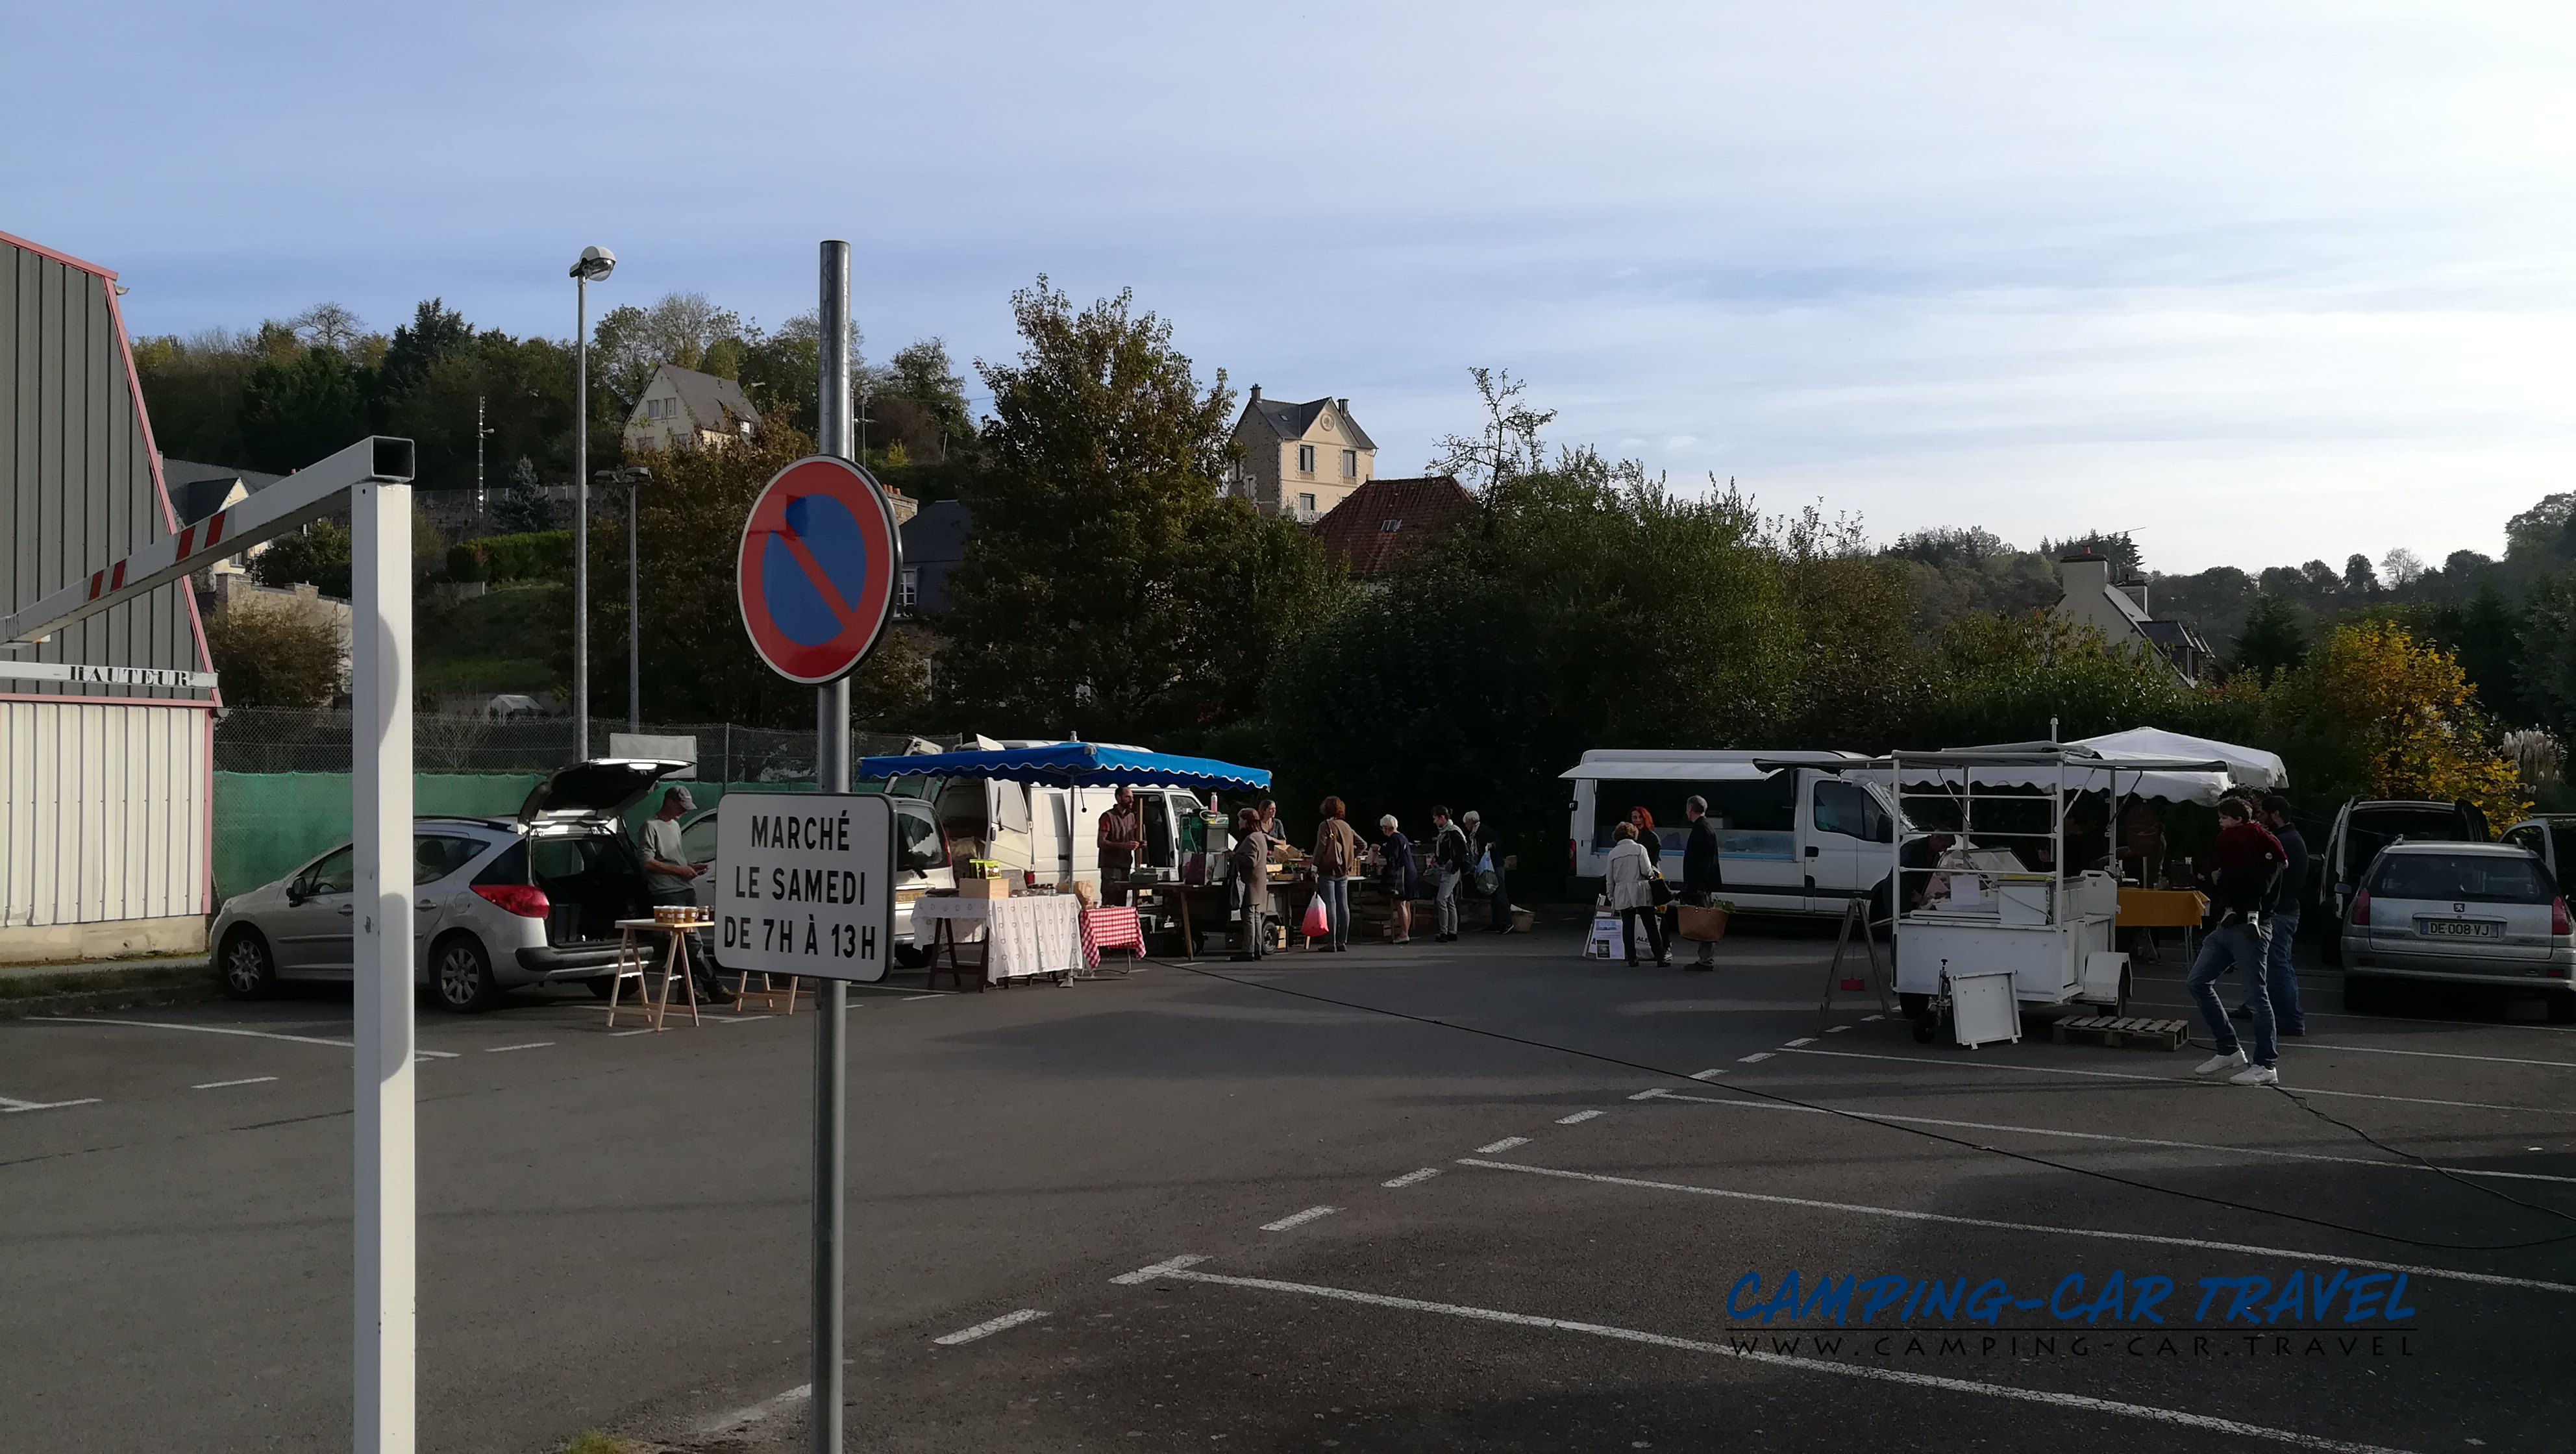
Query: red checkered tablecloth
1110	929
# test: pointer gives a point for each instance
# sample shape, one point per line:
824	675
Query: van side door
1844	833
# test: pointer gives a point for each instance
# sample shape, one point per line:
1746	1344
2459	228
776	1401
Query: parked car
2363	827
921	865
2551	838
2460	913
498	903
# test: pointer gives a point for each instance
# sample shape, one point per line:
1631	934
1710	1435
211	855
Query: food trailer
2013	911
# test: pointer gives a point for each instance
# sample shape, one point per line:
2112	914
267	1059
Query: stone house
2118	609
684	409
1300	460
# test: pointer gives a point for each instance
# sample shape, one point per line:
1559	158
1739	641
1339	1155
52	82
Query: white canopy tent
2072	767
2251	767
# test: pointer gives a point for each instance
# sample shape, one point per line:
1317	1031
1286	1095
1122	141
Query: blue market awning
1071	765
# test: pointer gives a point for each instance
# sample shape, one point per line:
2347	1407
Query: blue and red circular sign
818	567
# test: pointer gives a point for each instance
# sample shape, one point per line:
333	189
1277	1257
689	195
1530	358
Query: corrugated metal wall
104	801
102	812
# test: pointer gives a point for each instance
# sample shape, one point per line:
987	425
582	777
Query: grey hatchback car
497	903
2460	913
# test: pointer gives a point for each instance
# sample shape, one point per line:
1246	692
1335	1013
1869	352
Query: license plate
2460	928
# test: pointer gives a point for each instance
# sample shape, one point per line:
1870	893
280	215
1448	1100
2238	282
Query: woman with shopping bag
1337	861
1248	878
1631	881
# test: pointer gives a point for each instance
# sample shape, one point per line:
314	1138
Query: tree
1949	544
2542	532
2115	547
2275	638
922	373
2546	671
296	413
2374	711
2359	579
435	331
328	325
1509	443
2404	568
630	342
317	555
1537	628
1106	589
2006	678
275	653
2322	581
522	506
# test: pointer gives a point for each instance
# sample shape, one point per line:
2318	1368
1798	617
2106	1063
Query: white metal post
831	1024
581	515
386	1264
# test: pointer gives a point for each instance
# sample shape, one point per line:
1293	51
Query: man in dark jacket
2281	923
1450	854
1702	877
1489	852
2247	864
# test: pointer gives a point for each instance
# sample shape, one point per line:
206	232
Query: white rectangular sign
805	884
109	676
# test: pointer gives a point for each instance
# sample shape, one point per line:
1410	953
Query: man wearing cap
668	874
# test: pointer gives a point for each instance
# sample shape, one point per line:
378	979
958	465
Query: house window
907	593
1306	459
1305	504
1350	464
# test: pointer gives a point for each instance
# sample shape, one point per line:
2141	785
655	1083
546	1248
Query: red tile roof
1383	519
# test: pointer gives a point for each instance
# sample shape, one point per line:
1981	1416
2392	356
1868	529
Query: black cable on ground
1864	1116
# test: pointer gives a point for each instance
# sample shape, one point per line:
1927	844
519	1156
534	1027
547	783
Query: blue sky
2262	282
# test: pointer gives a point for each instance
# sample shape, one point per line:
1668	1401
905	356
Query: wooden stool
770	991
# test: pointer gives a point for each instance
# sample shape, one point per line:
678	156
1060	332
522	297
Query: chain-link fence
259	739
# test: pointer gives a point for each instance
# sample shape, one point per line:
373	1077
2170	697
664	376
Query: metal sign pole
387	1301
831	1025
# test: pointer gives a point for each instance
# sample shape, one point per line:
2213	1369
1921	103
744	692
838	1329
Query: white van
1055	832
1791	839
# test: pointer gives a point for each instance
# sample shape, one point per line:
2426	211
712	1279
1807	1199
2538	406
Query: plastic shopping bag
1317	925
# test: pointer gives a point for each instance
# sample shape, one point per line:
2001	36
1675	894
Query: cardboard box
984	888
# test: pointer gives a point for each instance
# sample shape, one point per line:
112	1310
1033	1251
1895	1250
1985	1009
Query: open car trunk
591	879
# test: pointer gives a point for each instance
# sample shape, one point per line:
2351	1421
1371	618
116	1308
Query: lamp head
596	263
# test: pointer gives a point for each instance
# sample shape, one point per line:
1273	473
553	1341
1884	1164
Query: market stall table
1110	928
1021	938
1213	901
2147	910
636	961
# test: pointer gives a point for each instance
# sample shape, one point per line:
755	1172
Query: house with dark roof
2118	609
684	409
1382	521
198	490
1300	460
934	541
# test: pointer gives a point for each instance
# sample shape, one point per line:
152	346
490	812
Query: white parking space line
2305	1090
9	1107
228	1030
1836	1029
505	1049
1159	1269
622	1034
1794	1044
1178	1271
1298	1219
2306	1044
1744	1105
220	1084
2332	1259
1706	1074
989	1327
1410	1177
1578	1118
1756	1058
2368	1019
1506	1144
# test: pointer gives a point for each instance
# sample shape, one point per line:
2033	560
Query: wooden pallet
2121	1030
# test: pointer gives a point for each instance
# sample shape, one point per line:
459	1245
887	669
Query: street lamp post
634	478
596	262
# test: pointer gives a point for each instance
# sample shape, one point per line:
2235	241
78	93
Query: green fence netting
268	824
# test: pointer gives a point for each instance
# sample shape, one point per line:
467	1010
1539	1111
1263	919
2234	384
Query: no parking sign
817	570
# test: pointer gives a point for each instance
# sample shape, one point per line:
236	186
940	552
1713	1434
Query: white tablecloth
1039	934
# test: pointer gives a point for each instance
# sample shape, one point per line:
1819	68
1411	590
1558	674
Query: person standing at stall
1450	855
1122	837
1249	879
1337	862
1644	820
1489	859
2281	923
1702	878
2247	859
1630	882
671	879
1395	875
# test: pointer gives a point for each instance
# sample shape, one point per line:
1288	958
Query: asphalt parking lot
1488	1196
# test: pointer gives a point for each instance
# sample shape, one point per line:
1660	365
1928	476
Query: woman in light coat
1629	880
